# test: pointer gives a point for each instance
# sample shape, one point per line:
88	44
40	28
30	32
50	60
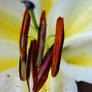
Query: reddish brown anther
29	62
41	38
42	75
42	19
58	44
23	45
34	59
24	34
32	56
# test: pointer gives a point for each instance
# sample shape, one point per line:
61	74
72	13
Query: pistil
30	7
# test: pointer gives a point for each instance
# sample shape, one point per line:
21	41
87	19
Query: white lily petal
66	79
76	72
10	82
8	54
9	49
77	16
63	83
77	49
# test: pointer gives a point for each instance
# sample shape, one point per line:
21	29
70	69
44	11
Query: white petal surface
10	82
9	53
65	81
77	49
76	72
8	49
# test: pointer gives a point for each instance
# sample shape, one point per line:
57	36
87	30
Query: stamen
58	45
42	75
28	84
34	60
41	38
29	61
23	45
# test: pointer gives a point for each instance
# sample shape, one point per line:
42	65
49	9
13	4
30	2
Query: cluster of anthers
35	60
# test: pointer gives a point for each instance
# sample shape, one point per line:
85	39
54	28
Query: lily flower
76	54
